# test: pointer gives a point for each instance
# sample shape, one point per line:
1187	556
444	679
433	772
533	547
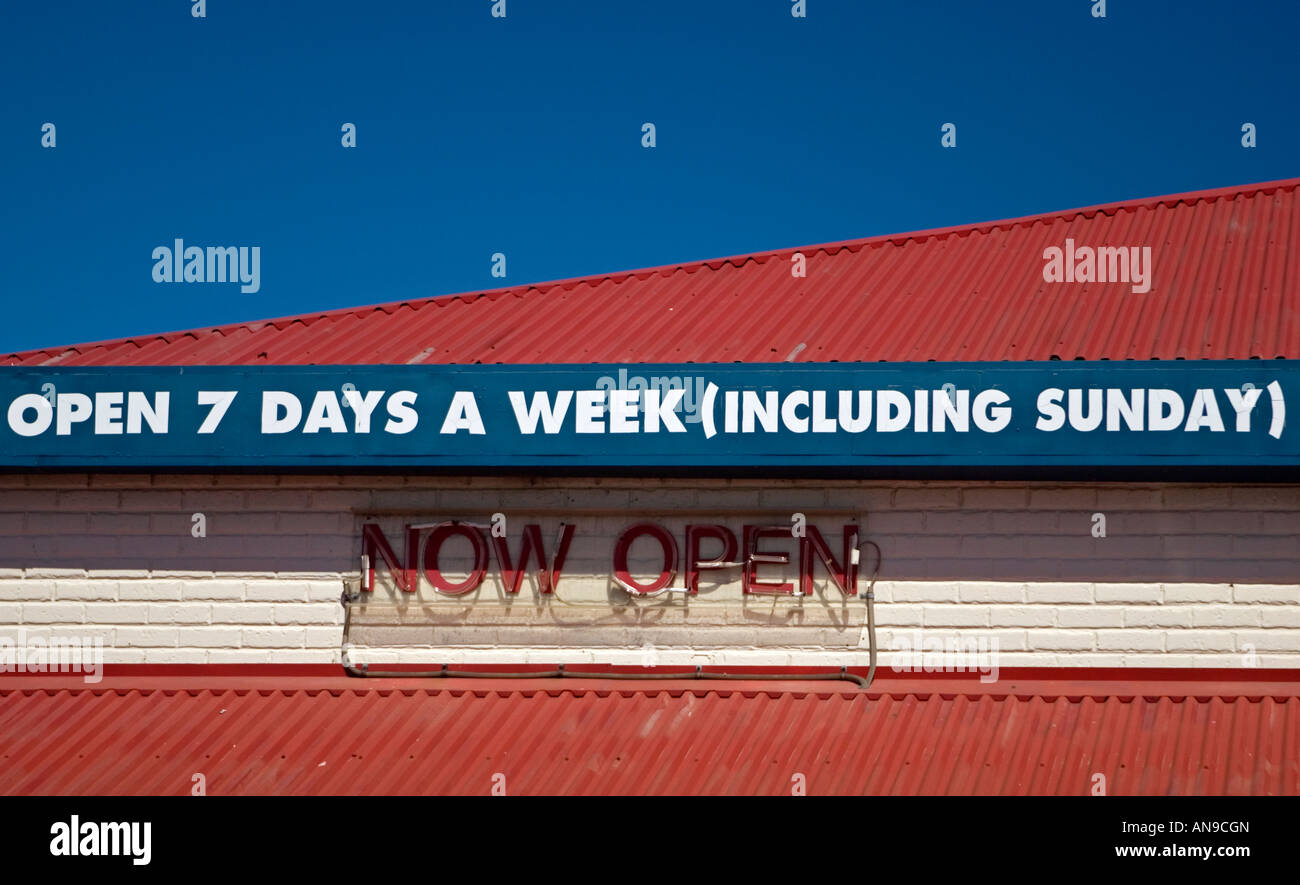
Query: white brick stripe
85	537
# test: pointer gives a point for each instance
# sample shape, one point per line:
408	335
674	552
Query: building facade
1029	578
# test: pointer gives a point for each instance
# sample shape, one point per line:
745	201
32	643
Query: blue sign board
823	417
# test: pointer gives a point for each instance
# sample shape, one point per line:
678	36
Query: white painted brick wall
1187	576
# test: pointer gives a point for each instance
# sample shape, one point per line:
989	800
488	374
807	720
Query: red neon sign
423	547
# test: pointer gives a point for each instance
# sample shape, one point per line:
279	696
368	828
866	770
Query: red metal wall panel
301	736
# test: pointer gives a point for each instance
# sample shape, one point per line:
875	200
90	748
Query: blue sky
522	135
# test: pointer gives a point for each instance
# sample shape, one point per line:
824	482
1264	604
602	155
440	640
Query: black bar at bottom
374	837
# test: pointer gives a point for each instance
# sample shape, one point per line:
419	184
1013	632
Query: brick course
1186	575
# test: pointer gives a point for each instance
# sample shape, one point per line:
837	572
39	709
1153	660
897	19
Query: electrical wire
560	673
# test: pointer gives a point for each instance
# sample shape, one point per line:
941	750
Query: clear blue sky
478	135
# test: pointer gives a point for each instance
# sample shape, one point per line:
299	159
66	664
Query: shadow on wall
990	533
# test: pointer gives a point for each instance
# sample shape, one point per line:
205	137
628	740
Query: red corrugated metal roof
902	736
1226	286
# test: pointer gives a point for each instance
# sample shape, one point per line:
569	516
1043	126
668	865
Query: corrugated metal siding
749	738
1226	285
